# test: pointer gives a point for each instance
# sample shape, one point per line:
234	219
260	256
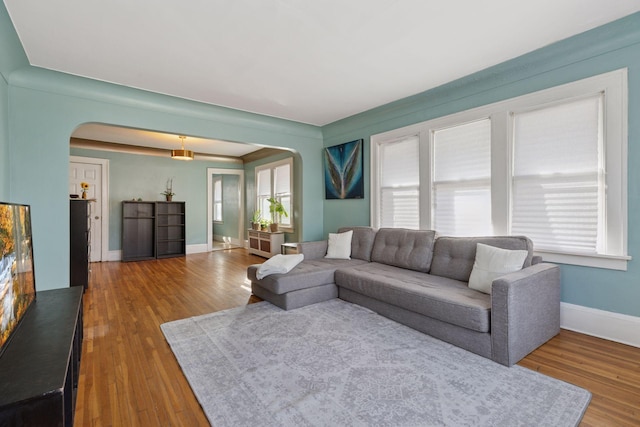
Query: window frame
271	167
614	86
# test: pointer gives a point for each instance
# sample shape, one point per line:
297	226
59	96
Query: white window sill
610	262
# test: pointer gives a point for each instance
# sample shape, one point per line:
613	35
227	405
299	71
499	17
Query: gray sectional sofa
421	281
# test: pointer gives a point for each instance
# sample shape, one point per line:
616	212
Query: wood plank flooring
129	376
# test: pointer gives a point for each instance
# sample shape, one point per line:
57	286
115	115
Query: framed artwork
343	174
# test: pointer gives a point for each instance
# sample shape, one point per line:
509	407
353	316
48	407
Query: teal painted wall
133	176
11	57
607	48
44	109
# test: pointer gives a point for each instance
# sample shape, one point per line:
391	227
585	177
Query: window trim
271	167
613	84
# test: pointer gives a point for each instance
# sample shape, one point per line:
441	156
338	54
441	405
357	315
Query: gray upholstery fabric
453	257
296	299
361	242
313	250
440	298
522	313
410	249
525	311
307	274
475	342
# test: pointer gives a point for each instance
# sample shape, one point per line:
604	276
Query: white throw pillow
339	245
492	262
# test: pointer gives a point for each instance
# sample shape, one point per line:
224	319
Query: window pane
263	187
399	208
462	180
286	202
558	185
282	179
399	189
399	165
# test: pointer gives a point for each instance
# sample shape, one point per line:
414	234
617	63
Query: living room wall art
343	175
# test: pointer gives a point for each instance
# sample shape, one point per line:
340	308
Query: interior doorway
225	208
94	172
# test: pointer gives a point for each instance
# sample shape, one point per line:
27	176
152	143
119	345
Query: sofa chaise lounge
421	281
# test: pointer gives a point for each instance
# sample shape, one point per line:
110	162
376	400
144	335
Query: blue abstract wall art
343	175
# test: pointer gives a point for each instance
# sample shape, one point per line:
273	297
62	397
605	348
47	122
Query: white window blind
263	190
558	180
400	183
462	179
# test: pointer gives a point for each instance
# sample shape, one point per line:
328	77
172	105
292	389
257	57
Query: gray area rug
335	364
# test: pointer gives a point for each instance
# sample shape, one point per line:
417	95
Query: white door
91	173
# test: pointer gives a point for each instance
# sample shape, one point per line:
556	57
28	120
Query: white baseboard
114	255
611	326
197	249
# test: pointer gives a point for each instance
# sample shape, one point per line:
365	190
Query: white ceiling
311	61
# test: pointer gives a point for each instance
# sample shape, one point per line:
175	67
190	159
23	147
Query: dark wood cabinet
39	369
170	228
152	230
79	242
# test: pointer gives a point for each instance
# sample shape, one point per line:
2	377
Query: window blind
462	179
558	180
400	183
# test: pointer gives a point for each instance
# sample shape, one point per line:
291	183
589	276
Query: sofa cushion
437	297
307	274
411	249
453	257
361	241
339	245
491	263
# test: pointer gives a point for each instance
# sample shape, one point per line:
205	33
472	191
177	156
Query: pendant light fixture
182	154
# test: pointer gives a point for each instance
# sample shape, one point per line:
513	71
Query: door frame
104	196
222	171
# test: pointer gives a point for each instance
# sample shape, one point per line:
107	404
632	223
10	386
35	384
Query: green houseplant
277	210
255	220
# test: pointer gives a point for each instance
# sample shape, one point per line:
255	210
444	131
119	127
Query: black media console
39	369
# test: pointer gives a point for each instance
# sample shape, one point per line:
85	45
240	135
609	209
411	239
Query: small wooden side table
289	248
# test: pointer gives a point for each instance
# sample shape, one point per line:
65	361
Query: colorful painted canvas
343	176
17	281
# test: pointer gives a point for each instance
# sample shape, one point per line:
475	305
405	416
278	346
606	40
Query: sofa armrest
525	311
313	250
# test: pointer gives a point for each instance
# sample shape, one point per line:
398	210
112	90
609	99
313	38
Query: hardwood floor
129	376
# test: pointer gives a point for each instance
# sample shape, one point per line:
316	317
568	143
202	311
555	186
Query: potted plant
255	220
277	211
264	224
168	192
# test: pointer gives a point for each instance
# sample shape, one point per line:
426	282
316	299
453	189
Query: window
399	184
217	199
550	165
558	179
462	179
274	180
